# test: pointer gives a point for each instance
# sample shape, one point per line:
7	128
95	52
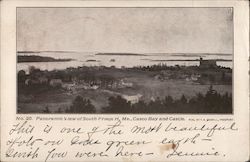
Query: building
126	84
193	77
69	86
43	80
133	99
55	82
207	63
32	82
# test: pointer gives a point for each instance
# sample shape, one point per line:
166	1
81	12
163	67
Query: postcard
124	81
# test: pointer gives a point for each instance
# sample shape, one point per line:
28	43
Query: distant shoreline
35	58
191	60
24	52
121	54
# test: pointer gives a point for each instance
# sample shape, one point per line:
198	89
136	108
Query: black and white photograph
132	60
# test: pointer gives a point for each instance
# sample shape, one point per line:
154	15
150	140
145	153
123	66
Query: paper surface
124	81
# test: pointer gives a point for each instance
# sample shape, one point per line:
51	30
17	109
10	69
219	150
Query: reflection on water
119	61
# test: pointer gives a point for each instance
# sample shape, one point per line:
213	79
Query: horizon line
62	51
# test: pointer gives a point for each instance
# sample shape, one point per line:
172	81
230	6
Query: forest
211	102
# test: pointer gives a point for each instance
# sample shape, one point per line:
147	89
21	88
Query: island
121	54
35	58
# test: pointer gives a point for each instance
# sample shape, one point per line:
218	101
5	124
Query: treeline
164	66
87	74
211	102
158	67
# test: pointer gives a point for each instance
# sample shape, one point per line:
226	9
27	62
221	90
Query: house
94	87
31	81
43	80
207	63
27	82
158	77
133	99
152	98
193	77
55	82
69	86
126	84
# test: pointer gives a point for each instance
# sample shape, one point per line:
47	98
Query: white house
133	99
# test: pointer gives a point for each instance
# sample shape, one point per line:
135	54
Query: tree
46	110
118	105
168	100
89	107
80	105
168	103
139	107
183	99
21	76
155	106
31	69
223	76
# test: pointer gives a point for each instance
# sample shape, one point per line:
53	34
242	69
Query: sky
130	30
